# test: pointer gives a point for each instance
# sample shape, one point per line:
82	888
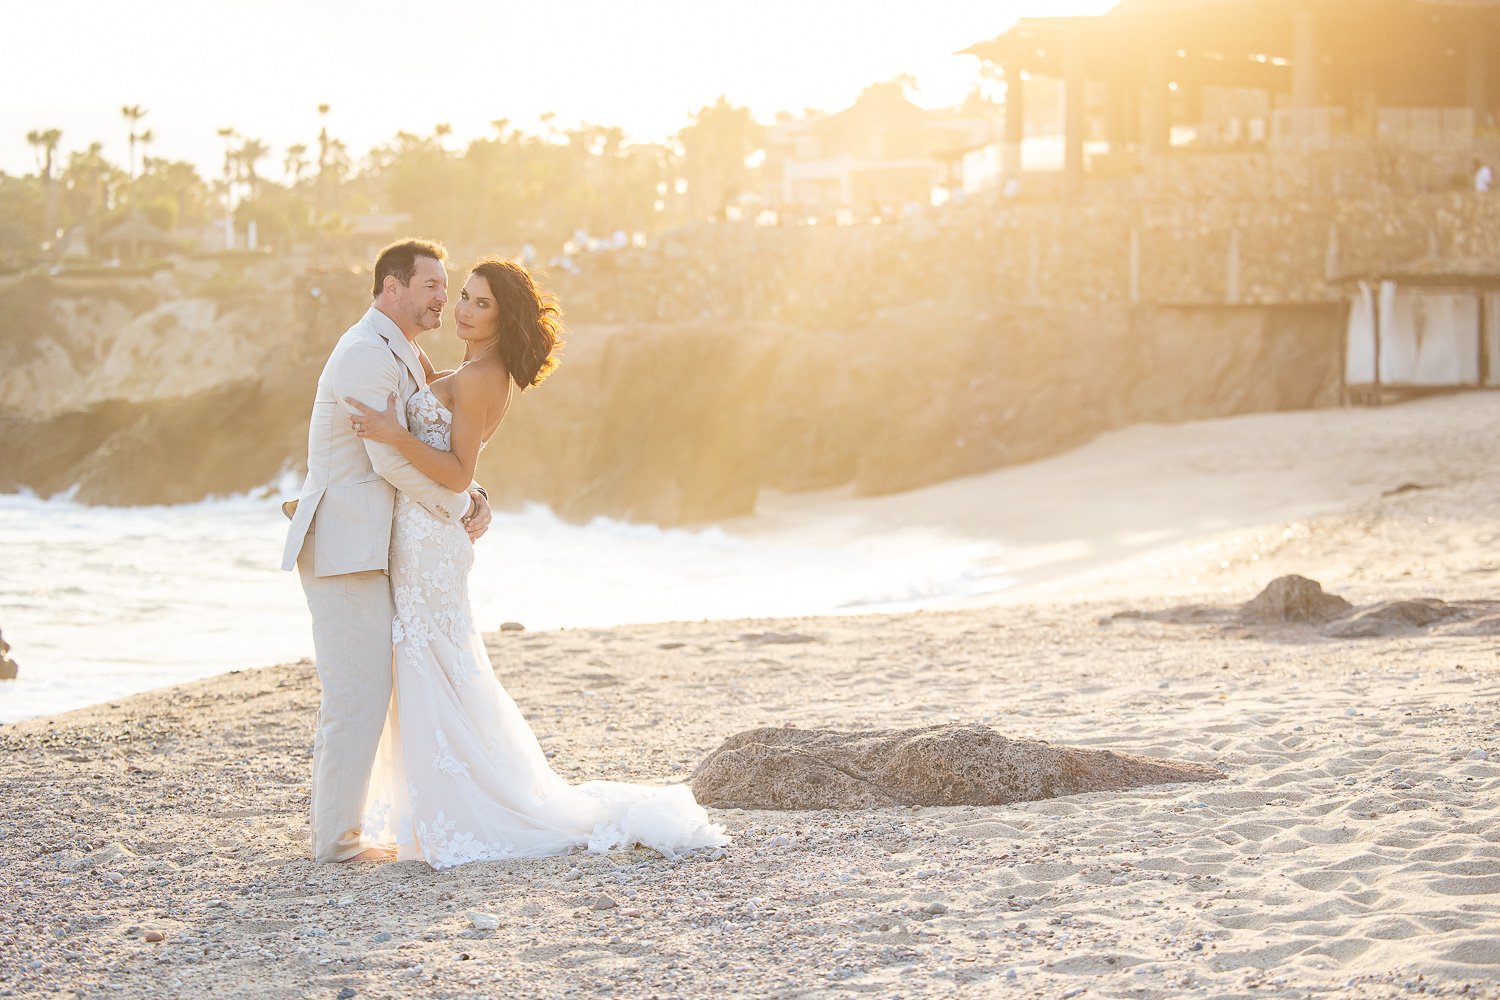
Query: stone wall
994	256
727	358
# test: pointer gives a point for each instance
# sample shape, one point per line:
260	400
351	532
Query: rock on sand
1294	598
945	765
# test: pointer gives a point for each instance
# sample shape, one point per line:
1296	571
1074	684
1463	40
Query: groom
340	537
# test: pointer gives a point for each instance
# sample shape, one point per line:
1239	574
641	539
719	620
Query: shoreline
1095	523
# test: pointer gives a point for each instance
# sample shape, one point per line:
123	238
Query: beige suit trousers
351	618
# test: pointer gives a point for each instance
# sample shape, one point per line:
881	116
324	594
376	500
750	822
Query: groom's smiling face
422	301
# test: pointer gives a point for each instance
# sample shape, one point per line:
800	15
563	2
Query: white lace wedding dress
459	775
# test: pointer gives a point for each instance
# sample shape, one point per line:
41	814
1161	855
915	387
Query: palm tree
133	114
228	134
326	154
295	161
46	142
251	151
46	145
323	142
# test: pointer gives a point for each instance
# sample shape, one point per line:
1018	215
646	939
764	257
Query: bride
459	775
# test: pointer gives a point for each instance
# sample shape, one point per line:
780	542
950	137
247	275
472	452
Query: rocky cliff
197	382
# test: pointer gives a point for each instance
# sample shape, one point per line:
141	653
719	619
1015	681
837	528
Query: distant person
460	776
1484	177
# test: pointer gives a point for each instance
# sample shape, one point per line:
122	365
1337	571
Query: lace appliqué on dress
444	760
445	845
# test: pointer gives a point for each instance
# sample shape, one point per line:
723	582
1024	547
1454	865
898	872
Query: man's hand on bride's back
478	520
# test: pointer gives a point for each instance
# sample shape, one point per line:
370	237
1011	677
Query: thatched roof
136	230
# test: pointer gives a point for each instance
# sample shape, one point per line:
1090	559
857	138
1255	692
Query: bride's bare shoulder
488	379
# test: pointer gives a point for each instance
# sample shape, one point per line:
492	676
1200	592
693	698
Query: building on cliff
871	159
1151	74
135	239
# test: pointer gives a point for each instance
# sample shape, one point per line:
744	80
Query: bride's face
476	315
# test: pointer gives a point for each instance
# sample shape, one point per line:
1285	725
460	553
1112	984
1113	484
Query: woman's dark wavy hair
529	326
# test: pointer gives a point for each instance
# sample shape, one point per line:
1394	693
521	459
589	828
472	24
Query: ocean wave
187	590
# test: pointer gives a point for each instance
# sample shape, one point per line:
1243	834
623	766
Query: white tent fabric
1422	338
1430	339
1359	343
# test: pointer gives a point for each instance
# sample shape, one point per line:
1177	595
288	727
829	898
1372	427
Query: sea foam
101	602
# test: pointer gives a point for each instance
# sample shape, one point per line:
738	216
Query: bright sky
263	66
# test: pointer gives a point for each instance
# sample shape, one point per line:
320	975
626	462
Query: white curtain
1428	339
1359	345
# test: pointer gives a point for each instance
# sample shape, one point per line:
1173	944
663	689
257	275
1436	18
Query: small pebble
1479	753
381	937
483	921
345	993
936	908
605	902
154	936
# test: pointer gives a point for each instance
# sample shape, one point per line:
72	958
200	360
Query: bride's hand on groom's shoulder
375	425
478	520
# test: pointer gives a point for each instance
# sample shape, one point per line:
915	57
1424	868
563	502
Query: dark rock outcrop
1487	623
1415	615
944	765
1294	599
1296	604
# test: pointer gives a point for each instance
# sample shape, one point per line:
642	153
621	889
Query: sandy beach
157	846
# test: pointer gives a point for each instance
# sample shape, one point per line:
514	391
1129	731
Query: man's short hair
400	259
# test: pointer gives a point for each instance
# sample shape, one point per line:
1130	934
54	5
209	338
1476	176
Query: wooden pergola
1317	53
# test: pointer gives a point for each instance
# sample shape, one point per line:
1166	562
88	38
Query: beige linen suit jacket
348	500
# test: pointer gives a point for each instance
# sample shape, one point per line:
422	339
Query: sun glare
533	66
